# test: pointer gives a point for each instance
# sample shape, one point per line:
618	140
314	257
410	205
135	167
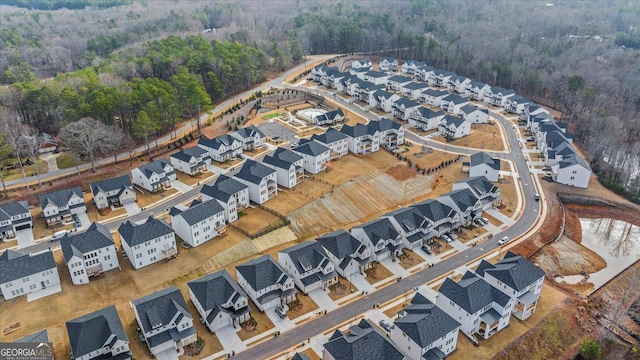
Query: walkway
230	339
323	300
180	186
50	158
394	267
361	283
281	324
500	216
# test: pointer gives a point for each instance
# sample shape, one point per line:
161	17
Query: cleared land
256	219
377	273
509	200
483	136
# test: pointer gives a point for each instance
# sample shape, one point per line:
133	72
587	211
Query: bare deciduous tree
87	137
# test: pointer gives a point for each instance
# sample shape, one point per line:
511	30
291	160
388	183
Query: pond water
616	241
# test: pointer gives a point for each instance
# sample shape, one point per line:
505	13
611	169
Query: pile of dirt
566	257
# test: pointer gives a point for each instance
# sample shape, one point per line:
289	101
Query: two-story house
228	192
476	90
414	228
403	107
98	335
396	82
572	170
465	203
453	103
443	218
452	127
366	91
199	223
440	78
261	180
221	148
165	321
348	254
516	104
266	283
518	278
34	275
219	300
289	167
14	216
314	154
113	192
498	96
482	164
309	266
147	243
474	115
391	133
410	66
424	331
360	140
191	161
482	188
413	90
384	100
329	118
375	77
388	64
381	237
155	176
433	97
362	341
424	73
475	304
59	207
89	253
425	119
251	137
362	64
458	84
334	140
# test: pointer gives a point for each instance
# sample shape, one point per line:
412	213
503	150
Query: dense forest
580	57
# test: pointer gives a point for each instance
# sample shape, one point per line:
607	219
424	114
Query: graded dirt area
566	257
482	136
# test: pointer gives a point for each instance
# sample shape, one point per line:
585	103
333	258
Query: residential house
453	103
147	243
359	72
384	100
315	155
413	90
410	66
403	107
476	90
318	71
441	78
376	77
251	137
482	164
478	307
412	226
98	335
165	321
199	223
329	118
396	82
334	140
388	64
222	148
425	119
362	341
482	188
113	192
474	115
289	167
424	331
518	278
433	97
391	133
360	140
572	170
300	356
41	336
261	180
458	84
14	216
558	152
89	253
498	96
465	203
335	79
219	300
348	254
266	283
352	84
424	73
44	143
381	237
228	192
443	218
366	91
530	111
362	64
34	275
309	265
60	206
516	104
191	161
452	127
155	176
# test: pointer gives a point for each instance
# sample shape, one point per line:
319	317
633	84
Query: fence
284	221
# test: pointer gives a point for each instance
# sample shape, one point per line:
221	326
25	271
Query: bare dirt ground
567	257
256	219
509	200
342	289
483	136
377	273
290	200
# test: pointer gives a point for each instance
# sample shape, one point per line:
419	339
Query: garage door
128	201
22	227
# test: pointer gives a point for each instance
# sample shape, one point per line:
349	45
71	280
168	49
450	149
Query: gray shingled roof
261	272
354	131
188	153
379	229
376	74
215	289
330	115
254	171
435	92
513	270
456	99
424	322
428	113
160	307
340	243
498	90
111	184
198	211
223	188
459	78
477	84
134	234
156	167
13	209
306	254
300	356
453	120
59	198
96	237
383	124
415	85
330	136
399	79
363	342
282	158
37	337
249	131
484	158
479	184
312	148
220	140
407	103
468	109
18	267
463	198
409	218
434	210
573	159
472	293
90	332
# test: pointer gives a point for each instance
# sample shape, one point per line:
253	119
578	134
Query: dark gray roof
330	136
444	73
379	229
427	113
312	148
37	337
92	331
407	103
330	115
254	171
160	308
376	74
282	158
519	99
156	167
220	140
354	131
498	90
300	356
415	85
573	159
187	154
479	184
389	59
459	78
415	62
477	84
434	210
13	209
340	243
381	125
435	92
399	79
18	267
514	270
456	99
409	218
111	184
96	237
261	272
424	322
453	120
382	94
59	198
198	211
463	198
306	254
468	109
484	158
472	293
223	188
215	289
134	234
249	131
10	255
362	342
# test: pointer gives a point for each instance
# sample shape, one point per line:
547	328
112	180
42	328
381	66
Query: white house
362	64
452	127
219	300
424	331
288	166
557	153
14	216
391	133
396	82
482	164
573	171
518	278
476	90
410	66
309	266
453	103
516	104
89	253
465	203
424	73
266	283
384	100
334	140
165	321
228	192
388	64
412	226
403	107
261	180
147	243
482	188
191	161
376	77
59	207
413	90
113	192
155	176
348	254
425	119
458	84
329	118
315	155
199	223
441	78
98	335
443	218
498	96
221	148
433	97
360	139
366	91
381	237
34	275
251	137
474	115
475	304
361	341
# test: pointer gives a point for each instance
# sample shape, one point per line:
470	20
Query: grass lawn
341	289
508	193
409	259
195	179
147	198
483	136
29	170
262	320
308	305
377	273
65	160
272	115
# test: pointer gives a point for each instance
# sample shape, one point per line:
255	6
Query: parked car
446	238
280	311
485	220
58	235
426	249
452	235
479	222
503	240
385	325
536	197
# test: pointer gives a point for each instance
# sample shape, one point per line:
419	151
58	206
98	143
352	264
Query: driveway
132	209
216	170
230	339
430	258
394	267
281	324
25	238
84	222
500	216
169	354
458	245
180	186
361	283
323	300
